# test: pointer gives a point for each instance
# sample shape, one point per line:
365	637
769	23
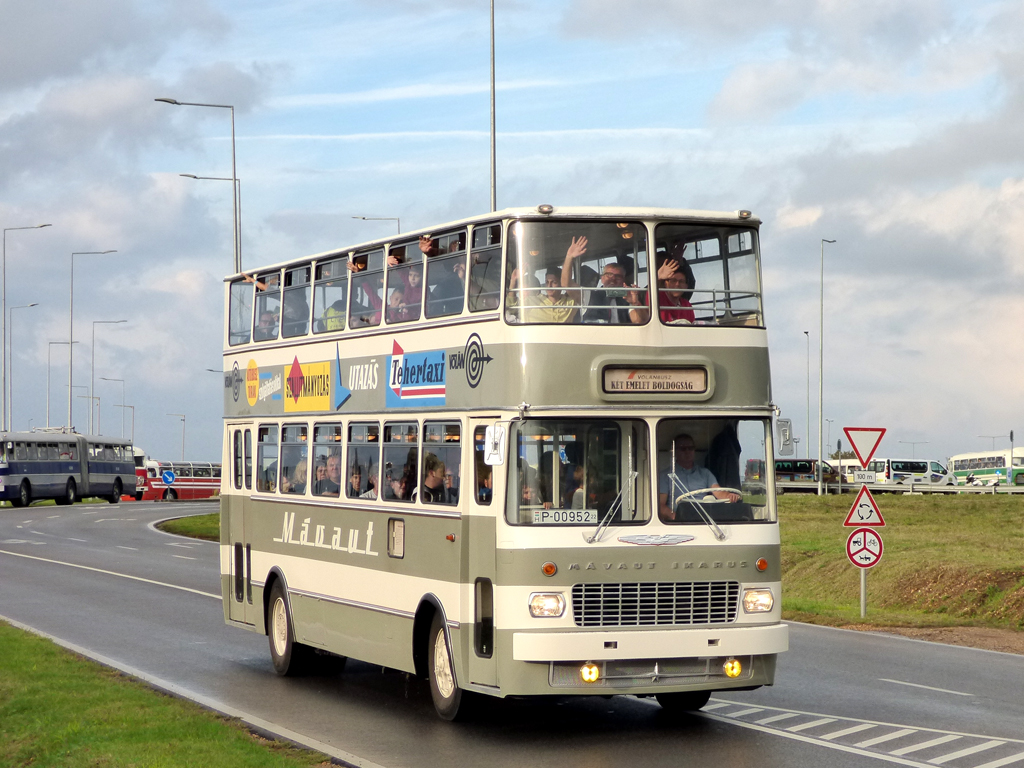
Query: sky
890	126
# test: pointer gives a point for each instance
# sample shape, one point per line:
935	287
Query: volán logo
472	359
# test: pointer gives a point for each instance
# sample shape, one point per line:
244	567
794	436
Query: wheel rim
71	491
442	668
279	627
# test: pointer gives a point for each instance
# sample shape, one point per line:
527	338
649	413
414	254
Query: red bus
179	480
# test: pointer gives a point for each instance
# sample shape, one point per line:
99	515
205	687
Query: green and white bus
506	454
988	467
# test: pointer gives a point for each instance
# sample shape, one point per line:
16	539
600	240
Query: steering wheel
688	496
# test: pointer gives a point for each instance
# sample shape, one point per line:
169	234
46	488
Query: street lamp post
92	365
913	446
93	401
808	335
382	218
828	439
182	416
10	364
71	331
238	186
122	407
796	442
236	197
993	438
104	378
821	358
49	349
3	331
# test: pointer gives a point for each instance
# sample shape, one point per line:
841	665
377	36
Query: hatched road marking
922	747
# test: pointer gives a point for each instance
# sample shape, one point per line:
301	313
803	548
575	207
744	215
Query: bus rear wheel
24	497
170	495
115	495
70	493
684	701
449	699
289	657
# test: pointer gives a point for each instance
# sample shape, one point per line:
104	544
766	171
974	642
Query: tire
24	497
115	494
70	493
170	495
685	701
449	699
290	658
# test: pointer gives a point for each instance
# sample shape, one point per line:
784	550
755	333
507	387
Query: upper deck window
295	302
577	272
239	312
367	296
268	306
707	275
405	280
446	274
485	268
330	294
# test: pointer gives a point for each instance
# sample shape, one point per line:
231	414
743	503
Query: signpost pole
863	592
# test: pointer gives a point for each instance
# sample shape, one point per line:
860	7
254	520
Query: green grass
57	709
197	526
948	560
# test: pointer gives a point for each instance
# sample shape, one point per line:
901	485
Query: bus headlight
547	604
758	600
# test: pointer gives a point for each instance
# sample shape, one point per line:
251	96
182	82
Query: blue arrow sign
168	477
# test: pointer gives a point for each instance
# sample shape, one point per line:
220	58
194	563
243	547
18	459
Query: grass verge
197	526
58	709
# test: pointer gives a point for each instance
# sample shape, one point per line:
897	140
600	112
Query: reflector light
590	673
732	668
549	569
761	564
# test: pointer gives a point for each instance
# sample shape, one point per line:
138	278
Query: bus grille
654	603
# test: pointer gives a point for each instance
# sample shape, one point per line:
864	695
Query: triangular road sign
865	441
864	513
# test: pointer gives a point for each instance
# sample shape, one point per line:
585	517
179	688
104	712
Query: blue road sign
168	477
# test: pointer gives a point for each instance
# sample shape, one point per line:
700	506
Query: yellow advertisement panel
307	387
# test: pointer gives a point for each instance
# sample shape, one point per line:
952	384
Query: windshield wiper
616	503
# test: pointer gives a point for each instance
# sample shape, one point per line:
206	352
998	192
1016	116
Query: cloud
405	93
789	217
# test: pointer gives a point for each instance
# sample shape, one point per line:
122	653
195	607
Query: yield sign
865	442
864	511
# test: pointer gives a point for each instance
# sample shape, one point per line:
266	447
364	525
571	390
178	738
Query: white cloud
789	217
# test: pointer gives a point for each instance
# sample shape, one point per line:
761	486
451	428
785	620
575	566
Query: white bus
503	455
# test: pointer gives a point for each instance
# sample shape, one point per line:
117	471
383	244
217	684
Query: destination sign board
655	381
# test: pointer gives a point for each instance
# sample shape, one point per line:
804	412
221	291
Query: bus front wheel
289	657
170	495
24	497
70	493
447	696
685	701
115	495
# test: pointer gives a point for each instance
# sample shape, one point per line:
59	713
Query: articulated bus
988	467
510	454
63	466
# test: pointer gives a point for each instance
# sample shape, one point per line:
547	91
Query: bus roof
556	213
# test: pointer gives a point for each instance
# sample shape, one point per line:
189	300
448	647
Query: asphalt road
101	579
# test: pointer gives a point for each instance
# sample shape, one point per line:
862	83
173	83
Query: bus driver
685	478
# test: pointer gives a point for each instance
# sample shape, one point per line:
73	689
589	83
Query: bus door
483	485
234	516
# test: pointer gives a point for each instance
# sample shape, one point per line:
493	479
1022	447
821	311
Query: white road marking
133	549
52	517
926	687
775	718
718	705
111	573
965	752
39	533
1003	761
848	731
183	546
81	540
114	520
743	712
926	744
812	724
183	557
886	737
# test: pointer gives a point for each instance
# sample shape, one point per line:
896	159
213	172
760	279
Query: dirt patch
991	639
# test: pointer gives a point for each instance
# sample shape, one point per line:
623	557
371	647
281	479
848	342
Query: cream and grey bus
506	454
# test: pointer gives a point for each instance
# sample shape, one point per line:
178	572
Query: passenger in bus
355	482
433	490
451	485
371	482
551	305
368	286
297	482
331	484
404	301
686	476
334	317
613	304
675	277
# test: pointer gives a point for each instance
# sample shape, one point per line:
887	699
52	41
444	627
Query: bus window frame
320	321
406	265
290	329
364	272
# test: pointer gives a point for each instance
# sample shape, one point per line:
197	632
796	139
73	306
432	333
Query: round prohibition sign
864	547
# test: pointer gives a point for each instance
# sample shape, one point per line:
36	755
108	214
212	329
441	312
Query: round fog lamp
732	668
589	673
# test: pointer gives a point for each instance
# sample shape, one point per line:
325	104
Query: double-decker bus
187	480
64	466
988	467
510	454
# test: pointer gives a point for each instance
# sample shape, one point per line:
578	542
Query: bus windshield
573	471
711	468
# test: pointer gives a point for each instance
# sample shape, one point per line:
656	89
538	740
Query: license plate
564	516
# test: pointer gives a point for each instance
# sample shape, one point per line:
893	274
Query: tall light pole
94	402
49	349
821	358
3	316
808	335
382	218
10	365
237	196
182	415
121	406
796	442
79	386
71	332
494	148
828	439
238	204
913	445
92	363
